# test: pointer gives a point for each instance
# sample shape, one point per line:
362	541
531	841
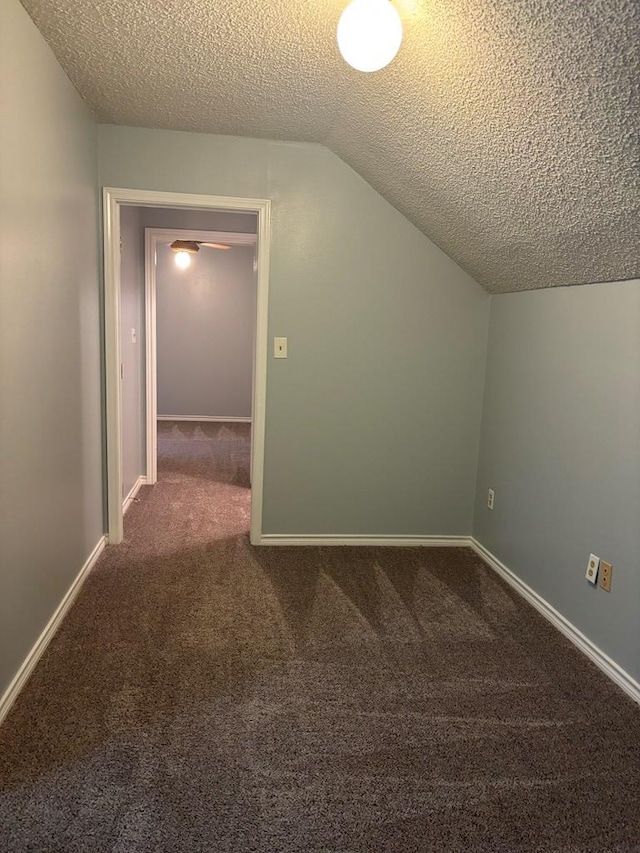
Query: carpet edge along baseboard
21	677
613	670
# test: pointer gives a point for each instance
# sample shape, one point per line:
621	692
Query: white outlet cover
592	569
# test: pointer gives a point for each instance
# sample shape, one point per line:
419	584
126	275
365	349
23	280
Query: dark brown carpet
203	695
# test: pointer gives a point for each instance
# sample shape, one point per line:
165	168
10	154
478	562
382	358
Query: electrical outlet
606	570
592	569
490	498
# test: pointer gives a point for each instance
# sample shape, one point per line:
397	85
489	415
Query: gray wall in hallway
199	220
561	447
134	220
132	354
185	375
50	430
205	322
372	421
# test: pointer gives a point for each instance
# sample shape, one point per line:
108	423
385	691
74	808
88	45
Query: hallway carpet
204	695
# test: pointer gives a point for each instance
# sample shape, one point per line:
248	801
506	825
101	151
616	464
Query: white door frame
153	236
112	199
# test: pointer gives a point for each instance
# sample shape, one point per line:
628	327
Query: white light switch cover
279	347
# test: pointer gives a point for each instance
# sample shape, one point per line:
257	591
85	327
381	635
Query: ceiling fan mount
193	246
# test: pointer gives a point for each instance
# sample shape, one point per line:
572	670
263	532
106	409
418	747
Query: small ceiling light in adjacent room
369	34
183	260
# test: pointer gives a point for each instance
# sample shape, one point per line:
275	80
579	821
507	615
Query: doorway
114	199
180	400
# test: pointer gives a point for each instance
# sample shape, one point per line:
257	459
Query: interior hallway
206	695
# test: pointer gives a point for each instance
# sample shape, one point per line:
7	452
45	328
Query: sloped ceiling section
508	132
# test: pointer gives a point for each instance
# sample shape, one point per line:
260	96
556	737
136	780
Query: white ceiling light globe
369	34
182	260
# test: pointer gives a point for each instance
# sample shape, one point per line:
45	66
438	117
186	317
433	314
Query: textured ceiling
506	130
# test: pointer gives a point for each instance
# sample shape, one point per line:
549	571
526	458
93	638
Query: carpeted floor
203	695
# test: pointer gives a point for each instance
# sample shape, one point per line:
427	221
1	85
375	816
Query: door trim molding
113	198
126	503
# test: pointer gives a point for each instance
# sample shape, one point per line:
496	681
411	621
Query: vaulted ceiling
508	131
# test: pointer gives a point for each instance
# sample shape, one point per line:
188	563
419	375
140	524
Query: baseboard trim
22	676
391	541
615	672
141	481
214	419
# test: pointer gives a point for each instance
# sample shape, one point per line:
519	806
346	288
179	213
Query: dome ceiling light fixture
369	34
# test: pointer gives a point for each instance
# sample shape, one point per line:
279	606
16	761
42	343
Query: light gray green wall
372	421
132	354
50	424
205	325
561	447
199	220
194	375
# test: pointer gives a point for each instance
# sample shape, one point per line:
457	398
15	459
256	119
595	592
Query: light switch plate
592	569
279	347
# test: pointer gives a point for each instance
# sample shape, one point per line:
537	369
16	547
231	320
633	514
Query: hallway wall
194	375
50	429
372	422
206	317
132	355
199	220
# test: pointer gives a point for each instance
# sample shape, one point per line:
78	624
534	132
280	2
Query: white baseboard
22	676
586	646
126	503
214	419
392	541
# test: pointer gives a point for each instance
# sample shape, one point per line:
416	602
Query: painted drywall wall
132	348
561	447
205	326
199	220
212	375
372	421
50	428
